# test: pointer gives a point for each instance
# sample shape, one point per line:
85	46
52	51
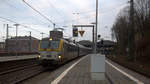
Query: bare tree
121	28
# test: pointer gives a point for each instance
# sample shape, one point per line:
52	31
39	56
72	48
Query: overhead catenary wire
37	35
86	12
92	14
70	20
51	5
13	6
27	27
10	5
40	13
89	11
59	13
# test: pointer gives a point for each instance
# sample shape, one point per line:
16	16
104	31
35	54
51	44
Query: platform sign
75	32
81	32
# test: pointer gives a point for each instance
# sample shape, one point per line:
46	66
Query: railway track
17	74
17	71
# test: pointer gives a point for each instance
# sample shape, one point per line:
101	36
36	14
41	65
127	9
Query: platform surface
81	74
12	58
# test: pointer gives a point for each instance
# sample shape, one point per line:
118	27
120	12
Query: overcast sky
61	13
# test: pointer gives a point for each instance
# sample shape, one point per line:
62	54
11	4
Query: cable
6	1
50	5
54	8
40	13
120	4
70	21
10	4
20	24
85	17
8	20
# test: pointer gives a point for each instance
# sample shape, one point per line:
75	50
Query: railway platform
78	73
15	58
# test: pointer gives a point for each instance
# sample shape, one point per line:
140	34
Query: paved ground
80	74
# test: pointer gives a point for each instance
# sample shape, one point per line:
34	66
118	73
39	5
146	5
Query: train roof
74	43
82	46
71	42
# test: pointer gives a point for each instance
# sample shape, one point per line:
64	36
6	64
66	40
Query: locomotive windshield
46	44
54	44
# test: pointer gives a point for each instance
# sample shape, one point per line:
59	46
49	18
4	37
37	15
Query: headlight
39	56
50	39
59	57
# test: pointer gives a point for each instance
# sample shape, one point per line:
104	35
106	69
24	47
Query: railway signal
75	32
76	26
99	36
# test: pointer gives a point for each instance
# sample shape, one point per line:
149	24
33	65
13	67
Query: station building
22	44
2	46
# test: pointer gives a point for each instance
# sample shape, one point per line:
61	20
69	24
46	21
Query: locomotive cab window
54	44
46	44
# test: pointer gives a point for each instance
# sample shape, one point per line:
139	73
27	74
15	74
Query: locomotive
56	51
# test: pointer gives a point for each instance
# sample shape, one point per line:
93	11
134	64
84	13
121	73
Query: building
2	46
22	44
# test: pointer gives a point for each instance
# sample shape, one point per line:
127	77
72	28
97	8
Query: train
55	51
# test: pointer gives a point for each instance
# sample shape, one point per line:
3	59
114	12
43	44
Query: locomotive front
50	51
